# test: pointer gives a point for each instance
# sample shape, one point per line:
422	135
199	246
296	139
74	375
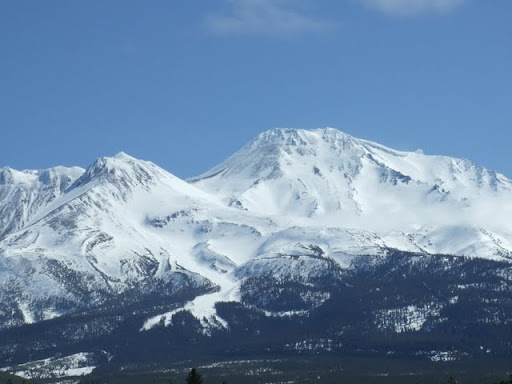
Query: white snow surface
23	193
288	192
75	365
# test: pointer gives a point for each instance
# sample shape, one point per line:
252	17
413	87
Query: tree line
195	377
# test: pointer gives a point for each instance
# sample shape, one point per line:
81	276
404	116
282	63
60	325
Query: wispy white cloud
412	7
269	17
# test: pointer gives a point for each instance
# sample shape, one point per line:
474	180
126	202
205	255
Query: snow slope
24	193
79	364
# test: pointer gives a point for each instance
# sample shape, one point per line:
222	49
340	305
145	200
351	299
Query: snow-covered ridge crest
119	168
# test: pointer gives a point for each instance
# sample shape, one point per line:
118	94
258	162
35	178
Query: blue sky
186	83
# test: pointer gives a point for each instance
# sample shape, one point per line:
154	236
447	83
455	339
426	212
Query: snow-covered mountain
327	178
290	204
325	172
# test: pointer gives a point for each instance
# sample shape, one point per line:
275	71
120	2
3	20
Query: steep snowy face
325	173
24	193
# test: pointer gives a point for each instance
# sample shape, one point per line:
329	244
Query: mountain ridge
125	223
299	232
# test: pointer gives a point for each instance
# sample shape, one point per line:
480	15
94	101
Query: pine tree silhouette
194	377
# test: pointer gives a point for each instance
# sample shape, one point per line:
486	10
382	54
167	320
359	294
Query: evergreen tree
194	377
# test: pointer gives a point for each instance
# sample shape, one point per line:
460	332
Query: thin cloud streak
412	7
264	17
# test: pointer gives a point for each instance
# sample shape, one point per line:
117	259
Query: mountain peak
110	163
294	137
120	169
123	156
266	155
